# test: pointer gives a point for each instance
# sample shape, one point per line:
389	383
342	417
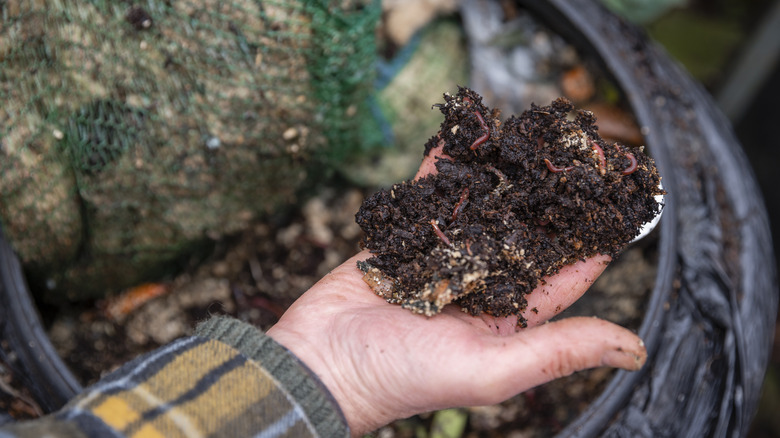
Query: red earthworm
631	167
600	152
463	197
439	233
633	162
483	138
555	169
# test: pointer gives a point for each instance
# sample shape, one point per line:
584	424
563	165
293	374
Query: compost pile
133	134
510	204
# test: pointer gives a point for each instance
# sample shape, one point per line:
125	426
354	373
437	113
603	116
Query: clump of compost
511	203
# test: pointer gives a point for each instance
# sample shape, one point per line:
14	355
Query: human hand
381	362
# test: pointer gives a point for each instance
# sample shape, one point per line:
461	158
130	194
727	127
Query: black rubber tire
29	351
710	320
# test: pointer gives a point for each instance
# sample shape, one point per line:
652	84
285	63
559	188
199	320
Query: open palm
382	362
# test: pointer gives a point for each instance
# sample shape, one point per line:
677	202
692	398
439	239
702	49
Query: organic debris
511	203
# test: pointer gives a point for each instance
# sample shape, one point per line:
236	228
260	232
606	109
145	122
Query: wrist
358	404
292	376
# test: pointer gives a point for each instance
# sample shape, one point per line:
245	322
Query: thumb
428	164
546	352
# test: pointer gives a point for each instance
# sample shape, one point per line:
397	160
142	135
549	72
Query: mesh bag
130	132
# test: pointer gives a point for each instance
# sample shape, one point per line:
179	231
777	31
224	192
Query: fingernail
622	359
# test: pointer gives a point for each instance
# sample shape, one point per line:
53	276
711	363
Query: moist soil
511	202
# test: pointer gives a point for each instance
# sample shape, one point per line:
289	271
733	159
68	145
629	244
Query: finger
561	290
543	353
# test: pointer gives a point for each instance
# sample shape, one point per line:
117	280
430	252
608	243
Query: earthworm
463	197
555	169
632	166
483	138
439	233
600	152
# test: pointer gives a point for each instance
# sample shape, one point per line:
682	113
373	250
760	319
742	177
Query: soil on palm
510	204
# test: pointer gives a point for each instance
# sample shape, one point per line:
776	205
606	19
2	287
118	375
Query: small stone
213	143
290	134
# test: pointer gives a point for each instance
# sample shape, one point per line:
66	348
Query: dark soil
511	203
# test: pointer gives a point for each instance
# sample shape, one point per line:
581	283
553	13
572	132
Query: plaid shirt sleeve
228	380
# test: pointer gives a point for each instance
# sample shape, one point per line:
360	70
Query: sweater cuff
294	376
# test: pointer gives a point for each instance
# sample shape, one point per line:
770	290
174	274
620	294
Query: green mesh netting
130	131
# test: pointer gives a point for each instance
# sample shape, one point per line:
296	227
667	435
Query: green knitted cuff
296	378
